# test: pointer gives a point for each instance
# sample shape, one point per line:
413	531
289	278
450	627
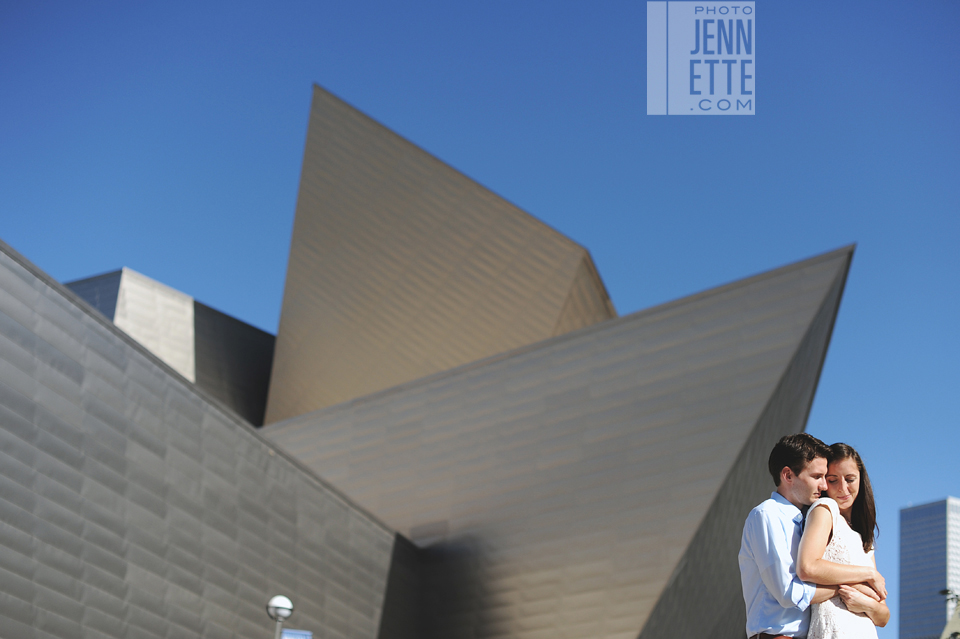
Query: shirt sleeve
772	540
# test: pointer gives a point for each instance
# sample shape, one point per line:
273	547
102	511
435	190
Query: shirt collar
788	508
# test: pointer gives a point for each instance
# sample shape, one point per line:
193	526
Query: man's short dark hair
795	452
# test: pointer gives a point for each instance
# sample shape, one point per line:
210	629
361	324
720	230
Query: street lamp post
279	608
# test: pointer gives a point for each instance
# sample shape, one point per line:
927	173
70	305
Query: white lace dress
831	619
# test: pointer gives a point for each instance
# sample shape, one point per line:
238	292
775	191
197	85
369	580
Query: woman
837	548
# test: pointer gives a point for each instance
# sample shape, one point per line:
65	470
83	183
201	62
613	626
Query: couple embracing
806	557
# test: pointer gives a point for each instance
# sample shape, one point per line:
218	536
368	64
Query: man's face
805	488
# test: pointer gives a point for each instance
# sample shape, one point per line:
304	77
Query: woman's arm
860	601
813	568
856	601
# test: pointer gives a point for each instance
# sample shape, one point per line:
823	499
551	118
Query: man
778	602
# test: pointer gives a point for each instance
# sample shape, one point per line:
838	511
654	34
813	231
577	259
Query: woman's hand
866	590
878	583
856	601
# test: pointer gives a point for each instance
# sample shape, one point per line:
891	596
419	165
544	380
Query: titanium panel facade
707	579
574	487
929	563
233	361
99	291
133	506
401	267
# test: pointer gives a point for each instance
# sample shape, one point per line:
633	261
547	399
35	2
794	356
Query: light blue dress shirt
778	602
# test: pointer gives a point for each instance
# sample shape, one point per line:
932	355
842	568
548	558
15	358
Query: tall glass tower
929	563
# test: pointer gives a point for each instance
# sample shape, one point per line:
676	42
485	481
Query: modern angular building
462	438
929	563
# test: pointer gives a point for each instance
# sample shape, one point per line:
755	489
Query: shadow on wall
435	592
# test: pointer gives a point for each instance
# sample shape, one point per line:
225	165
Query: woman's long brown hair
863	516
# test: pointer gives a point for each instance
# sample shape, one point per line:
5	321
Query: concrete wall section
132	507
160	318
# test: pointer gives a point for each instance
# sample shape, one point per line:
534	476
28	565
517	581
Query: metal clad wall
585	303
558	486
404	609
132	507
99	291
233	361
401	267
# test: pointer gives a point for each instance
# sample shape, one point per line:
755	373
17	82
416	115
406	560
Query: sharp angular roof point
400	266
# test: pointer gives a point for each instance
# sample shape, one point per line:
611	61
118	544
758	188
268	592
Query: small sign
295	634
701	58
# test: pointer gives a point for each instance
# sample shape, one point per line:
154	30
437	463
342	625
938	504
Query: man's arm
824	593
772	550
829	592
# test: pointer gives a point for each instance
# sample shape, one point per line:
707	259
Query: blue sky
168	138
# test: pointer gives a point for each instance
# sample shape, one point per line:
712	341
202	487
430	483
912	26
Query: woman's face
843	483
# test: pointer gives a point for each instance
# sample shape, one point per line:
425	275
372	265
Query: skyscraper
929	563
